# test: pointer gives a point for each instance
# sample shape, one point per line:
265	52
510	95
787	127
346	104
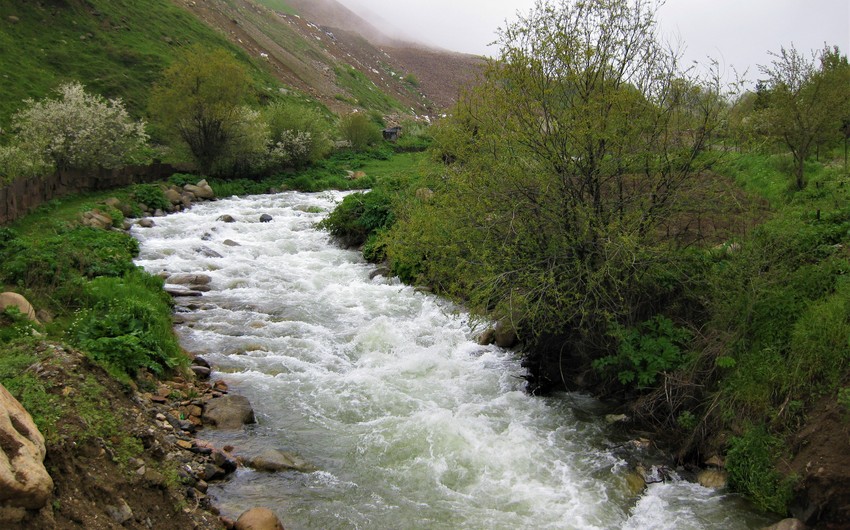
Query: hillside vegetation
652	238
641	230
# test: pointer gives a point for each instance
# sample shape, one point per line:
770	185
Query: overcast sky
736	32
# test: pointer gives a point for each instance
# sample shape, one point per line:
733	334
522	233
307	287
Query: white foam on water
412	424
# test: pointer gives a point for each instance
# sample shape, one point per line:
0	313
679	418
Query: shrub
302	128
16	162
361	132
59	262
653	347
150	195
247	153
359	216
199	102
127	325
78	130
750	462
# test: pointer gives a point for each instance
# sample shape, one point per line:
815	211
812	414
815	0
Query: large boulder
24	482
201	190
713	478
258	519
173	196
189	279
506	336
229	412
97	219
277	460
14	299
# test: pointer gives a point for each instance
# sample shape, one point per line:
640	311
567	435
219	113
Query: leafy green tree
78	130
565	169
805	100
200	100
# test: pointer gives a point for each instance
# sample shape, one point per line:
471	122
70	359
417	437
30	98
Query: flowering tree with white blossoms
79	130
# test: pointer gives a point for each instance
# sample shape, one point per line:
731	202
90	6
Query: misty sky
736	32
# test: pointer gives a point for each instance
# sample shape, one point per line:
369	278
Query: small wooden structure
392	133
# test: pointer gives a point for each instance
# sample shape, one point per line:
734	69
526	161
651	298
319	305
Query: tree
200	100
78	130
563	167
806	100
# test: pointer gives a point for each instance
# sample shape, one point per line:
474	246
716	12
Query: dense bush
359	216
645	351
79	130
127	324
751	462
359	130
150	195
302	134
58	264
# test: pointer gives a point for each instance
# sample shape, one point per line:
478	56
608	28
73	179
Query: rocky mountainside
325	50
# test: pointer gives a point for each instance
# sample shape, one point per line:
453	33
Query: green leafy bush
359	216
127	324
359	130
653	347
15	374
286	121
750	461
80	252
151	196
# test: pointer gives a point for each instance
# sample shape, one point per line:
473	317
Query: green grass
366	93
116	48
278	5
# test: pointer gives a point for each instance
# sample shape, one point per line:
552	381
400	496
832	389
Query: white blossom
79	130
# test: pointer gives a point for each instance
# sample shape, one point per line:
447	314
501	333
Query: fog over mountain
736	33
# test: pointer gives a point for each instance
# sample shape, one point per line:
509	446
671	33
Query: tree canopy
564	171
200	101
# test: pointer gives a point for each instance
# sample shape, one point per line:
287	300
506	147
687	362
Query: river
409	421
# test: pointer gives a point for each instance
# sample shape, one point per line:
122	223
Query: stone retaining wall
21	196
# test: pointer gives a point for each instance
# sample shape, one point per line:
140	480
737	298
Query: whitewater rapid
409	421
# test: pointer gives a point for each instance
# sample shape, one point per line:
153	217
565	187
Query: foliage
750	461
127	324
17	162
411	80
295	125
247	152
804	101
102	422
843	399
14	325
17	357
58	263
359	216
781	301
645	351
79	130
150	195
561	167
359	130
199	100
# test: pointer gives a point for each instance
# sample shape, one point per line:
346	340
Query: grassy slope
115	47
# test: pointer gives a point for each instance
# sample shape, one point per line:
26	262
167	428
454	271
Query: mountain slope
118	48
326	50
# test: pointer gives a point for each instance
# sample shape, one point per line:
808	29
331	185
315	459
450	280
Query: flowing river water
410	423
